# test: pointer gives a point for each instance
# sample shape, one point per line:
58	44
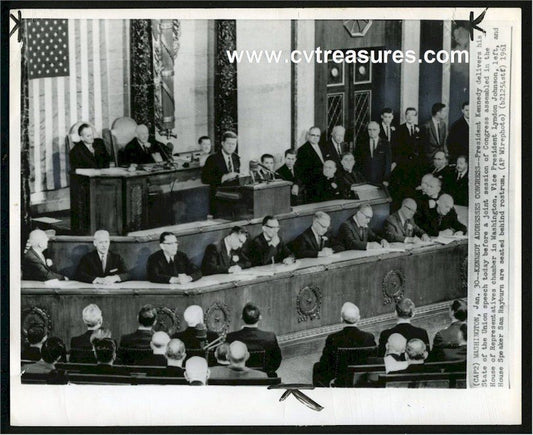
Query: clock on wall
357	27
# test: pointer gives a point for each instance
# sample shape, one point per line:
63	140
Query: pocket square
113	270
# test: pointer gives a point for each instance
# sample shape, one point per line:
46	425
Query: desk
298	303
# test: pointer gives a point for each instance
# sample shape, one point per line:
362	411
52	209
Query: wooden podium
253	201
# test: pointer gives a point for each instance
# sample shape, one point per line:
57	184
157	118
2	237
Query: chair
209	356
57	377
133	355
420	380
257	360
89	378
350	356
160	380
122	131
82	355
358	375
245	382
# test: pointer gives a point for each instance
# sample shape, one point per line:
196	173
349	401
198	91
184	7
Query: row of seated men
404	348
436	216
149	348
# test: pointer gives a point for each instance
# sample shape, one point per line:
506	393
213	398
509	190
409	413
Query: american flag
94	68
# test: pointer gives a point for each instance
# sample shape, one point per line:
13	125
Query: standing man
88	152
288	173
315	241
141	151
435	132
458	143
386	130
335	146
374	156
355	233
400	226
457	182
224	165
226	255
268	247
310	158
35	266
170	266
101	266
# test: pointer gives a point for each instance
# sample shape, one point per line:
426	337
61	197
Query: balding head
373	129
238	354
196	371
92	316
444	204
101	241
416	350
175	350
396	344
350	313
329	168
142	133
38	240
193	315
159	342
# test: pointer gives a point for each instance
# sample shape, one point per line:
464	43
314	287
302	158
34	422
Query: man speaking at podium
224	165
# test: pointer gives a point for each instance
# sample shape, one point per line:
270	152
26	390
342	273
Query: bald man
415	354
442	220
195	337
349	336
101	266
141	151
401	227
395	353
196	371
237	356
35	266
355	233
158	344
373	155
325	187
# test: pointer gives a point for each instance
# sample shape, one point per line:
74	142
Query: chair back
421	380
257	360
82	355
59	377
90	378
350	356
133	355
122	131
244	382
209	356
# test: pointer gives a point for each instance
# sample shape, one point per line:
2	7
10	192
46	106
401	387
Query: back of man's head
416	350
350	313
104	350
250	314
147	315
463	331
405	308
159	342
196	371
36	334
222	354
193	315
92	316
396	344
100	334
238	353
459	310
53	349
175	350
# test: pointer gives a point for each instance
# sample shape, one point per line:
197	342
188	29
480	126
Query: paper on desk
46	220
445	240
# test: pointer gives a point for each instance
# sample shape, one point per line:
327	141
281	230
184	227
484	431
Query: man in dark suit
354	233
405	310
316	241
195	336
52	351
430	192
435	132
268	247
458	139
175	355
101	266
158	344
257	339
170	266
35	266
348	176
325	187
349	336
443	219
452	351
387	131
310	158
457	182
226	256
89	152
92	318
105	351
36	336
238	355
223	166
139	339
400	226
373	155
335	146
288	173
441	169
450	336
141	151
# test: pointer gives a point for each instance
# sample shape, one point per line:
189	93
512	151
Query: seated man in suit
175	355
350	336
238	355
395	353
89	152
101	266
141	151
196	371
36	337
457	182
92	318
170	266
442	220
288	173
348	176
226	256
196	336
405	310
355	233
35	266
257	339
400	226
415	356
427	201
335	146
453	351
435	132
52	351
105	352
441	169
158	344
449	337
267	160
205	148
326	186
224	165
315	241
310	158
222	354
373	155
458	138
139	339
268	247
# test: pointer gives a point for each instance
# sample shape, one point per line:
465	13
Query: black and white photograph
287	204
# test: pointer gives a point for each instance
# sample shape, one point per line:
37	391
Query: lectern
252	201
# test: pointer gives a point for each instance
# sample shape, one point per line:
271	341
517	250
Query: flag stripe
73	76
48	133
84	71
97	76
37	137
61	129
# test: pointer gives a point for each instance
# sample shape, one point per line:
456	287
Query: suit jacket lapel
224	254
313	239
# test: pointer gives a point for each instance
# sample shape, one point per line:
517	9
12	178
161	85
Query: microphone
201	334
255	163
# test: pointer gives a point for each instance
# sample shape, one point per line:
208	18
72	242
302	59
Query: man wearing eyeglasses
170	266
315	241
400	226
226	256
355	233
268	247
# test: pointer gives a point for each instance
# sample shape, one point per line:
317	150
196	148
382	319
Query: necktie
437	130
411	130
103	258
320	243
230	164
372	145
388	133
339	149
292	171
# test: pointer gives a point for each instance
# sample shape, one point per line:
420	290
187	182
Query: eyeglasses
413	210
365	215
322	225
272	227
170	243
314	135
